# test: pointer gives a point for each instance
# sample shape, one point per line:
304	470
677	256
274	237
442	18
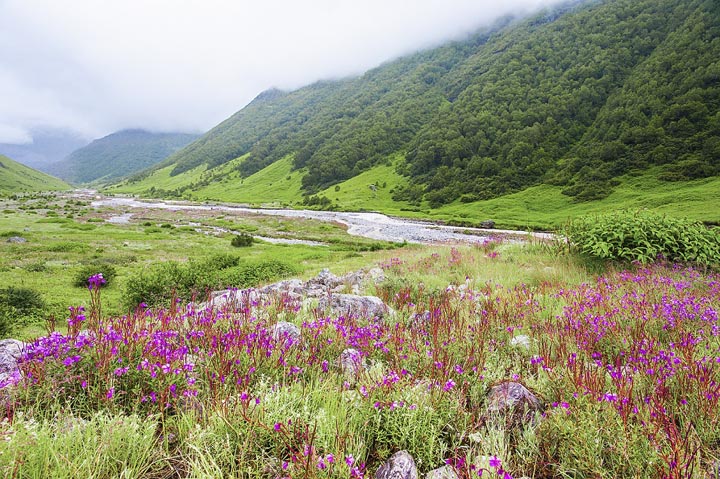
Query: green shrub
19	306
242	240
92	268
159	283
36	267
68	247
644	237
24	300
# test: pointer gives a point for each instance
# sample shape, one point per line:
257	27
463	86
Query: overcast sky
97	66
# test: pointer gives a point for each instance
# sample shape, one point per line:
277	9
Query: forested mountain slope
17	178
575	97
119	154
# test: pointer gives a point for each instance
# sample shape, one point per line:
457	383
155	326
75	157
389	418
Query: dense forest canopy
575	96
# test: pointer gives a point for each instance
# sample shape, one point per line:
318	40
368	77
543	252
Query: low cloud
97	66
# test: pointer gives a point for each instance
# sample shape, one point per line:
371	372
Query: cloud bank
97	66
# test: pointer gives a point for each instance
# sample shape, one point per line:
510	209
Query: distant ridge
119	154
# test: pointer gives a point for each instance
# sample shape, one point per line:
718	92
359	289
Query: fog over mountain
98	67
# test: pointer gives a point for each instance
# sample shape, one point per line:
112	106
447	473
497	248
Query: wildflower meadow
626	365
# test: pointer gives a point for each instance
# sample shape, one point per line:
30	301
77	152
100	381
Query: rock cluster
328	289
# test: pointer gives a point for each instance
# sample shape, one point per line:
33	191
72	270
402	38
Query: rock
377	275
325	278
400	466
521	341
445	472
487	224
351	361
514	401
16	239
295	286
358	306
283	329
10	351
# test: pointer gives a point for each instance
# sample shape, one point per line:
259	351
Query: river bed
369	225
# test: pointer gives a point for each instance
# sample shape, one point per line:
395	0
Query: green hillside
16	178
577	100
119	154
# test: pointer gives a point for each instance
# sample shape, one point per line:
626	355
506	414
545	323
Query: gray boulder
282	330
325	278
351	362
514	401
16	239
401	465
10	351
353	305
487	224
445	472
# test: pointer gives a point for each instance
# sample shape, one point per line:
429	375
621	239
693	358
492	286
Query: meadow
623	356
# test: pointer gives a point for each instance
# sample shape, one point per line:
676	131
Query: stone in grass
325	278
358	306
283	329
16	240
10	351
401	465
487	224
514	401
521	341
351	362
445	472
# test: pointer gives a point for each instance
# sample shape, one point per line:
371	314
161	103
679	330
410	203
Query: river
370	225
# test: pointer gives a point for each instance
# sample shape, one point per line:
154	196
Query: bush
24	300
18	306
242	240
92	268
158	284
644	237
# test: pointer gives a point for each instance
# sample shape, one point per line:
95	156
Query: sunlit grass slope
276	184
15	178
160	180
370	190
546	207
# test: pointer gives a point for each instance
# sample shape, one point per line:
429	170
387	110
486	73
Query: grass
17	178
545	206
356	193
224	183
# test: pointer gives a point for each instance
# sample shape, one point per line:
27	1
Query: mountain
574	98
16	178
49	146
119	154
